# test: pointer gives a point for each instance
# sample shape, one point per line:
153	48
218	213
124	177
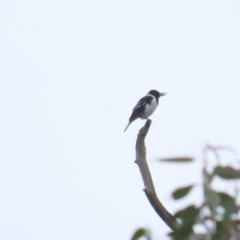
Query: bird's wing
138	110
143	102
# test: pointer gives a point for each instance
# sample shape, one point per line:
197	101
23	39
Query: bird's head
156	94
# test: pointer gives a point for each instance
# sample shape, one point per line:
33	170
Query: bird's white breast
149	109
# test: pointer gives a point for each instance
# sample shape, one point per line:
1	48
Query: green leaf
181	192
185	234
220	199
188	215
181	233
141	232
221	231
228	203
212	199
227	172
177	159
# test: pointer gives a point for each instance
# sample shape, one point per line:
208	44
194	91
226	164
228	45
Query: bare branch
147	179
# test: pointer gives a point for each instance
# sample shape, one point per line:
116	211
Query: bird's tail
127	127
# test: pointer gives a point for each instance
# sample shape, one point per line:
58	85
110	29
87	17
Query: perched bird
145	106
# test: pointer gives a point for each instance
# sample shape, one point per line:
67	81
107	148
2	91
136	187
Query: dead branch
147	179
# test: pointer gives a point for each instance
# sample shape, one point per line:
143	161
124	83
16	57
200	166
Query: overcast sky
70	74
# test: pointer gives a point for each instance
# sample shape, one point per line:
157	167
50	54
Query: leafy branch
219	214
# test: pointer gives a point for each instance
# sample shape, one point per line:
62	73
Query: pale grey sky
71	72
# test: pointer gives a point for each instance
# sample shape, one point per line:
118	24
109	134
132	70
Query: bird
145	106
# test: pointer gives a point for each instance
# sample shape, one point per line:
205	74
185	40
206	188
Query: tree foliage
218	215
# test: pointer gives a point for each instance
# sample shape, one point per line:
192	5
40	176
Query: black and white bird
145	106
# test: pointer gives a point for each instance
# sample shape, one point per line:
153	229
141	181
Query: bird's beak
162	94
